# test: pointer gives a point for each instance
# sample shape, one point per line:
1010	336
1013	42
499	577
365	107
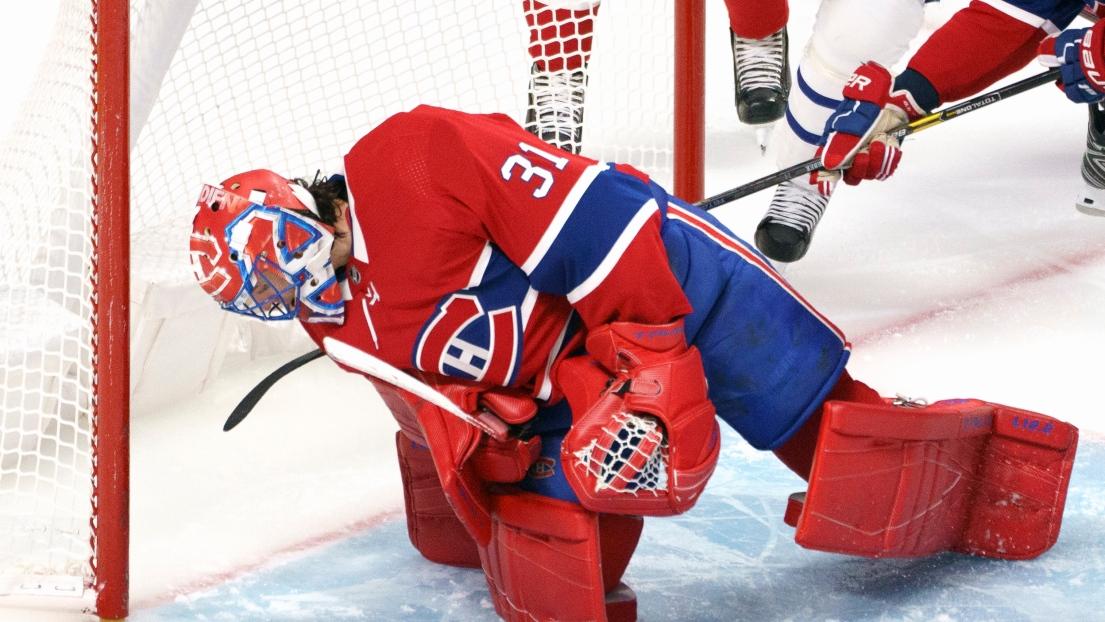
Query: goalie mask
257	250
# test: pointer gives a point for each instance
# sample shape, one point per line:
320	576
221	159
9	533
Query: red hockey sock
559	38
756	19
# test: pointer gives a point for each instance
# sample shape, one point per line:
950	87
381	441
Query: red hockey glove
644	438
1080	56
856	140
1093	10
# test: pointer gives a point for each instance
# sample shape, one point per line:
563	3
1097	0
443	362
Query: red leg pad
432	525
964	476
1022	487
553	560
797	452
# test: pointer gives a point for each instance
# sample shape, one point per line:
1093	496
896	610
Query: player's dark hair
326	190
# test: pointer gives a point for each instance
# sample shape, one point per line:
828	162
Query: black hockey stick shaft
925	122
250	400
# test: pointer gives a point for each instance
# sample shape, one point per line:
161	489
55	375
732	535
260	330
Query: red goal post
100	176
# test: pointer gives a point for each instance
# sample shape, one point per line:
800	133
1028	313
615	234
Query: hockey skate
1091	199
555	111
785	232
761	73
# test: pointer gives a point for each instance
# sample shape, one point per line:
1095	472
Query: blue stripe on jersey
1059	12
821	100
603	213
807	136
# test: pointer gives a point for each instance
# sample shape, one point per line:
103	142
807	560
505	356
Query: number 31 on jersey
528	172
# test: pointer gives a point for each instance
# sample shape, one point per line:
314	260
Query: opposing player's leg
761	71
1091	199
906	480
846	33
560	46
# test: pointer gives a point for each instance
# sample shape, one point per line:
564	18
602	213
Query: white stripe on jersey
544	387
606	266
1024	16
481	266
562	213
360	251
680	214
527	305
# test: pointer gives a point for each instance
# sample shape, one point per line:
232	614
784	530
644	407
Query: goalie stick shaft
256	393
364	362
924	123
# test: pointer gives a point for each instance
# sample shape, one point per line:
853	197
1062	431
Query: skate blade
1091	201
763	135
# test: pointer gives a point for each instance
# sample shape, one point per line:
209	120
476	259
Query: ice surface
968	274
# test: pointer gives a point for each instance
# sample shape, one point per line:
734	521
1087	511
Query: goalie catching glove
644	439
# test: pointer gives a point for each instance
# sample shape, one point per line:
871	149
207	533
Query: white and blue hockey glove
1080	56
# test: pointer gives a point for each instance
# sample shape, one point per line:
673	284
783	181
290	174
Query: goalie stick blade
245	406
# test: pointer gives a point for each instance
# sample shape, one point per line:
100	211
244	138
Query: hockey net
219	87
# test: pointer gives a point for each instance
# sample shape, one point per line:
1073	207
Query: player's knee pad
960	475
845	34
432	526
554	560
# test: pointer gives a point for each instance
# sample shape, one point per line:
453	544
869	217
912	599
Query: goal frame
111	145
110	519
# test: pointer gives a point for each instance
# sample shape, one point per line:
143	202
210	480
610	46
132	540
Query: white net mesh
220	87
291	85
46	315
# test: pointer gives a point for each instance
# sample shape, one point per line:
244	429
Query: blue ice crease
730	558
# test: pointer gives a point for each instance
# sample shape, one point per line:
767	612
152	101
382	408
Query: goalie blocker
901	480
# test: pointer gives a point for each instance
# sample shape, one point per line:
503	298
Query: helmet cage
269	292
265	262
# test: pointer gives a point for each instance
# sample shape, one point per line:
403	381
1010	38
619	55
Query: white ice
969	274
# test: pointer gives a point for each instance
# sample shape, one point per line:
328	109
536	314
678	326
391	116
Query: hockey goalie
559	338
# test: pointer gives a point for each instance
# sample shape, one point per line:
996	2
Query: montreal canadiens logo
543	468
464	340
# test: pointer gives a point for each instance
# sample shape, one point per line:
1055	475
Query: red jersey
480	252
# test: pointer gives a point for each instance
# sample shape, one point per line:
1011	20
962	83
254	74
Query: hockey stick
370	365
924	123
365	363
256	393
